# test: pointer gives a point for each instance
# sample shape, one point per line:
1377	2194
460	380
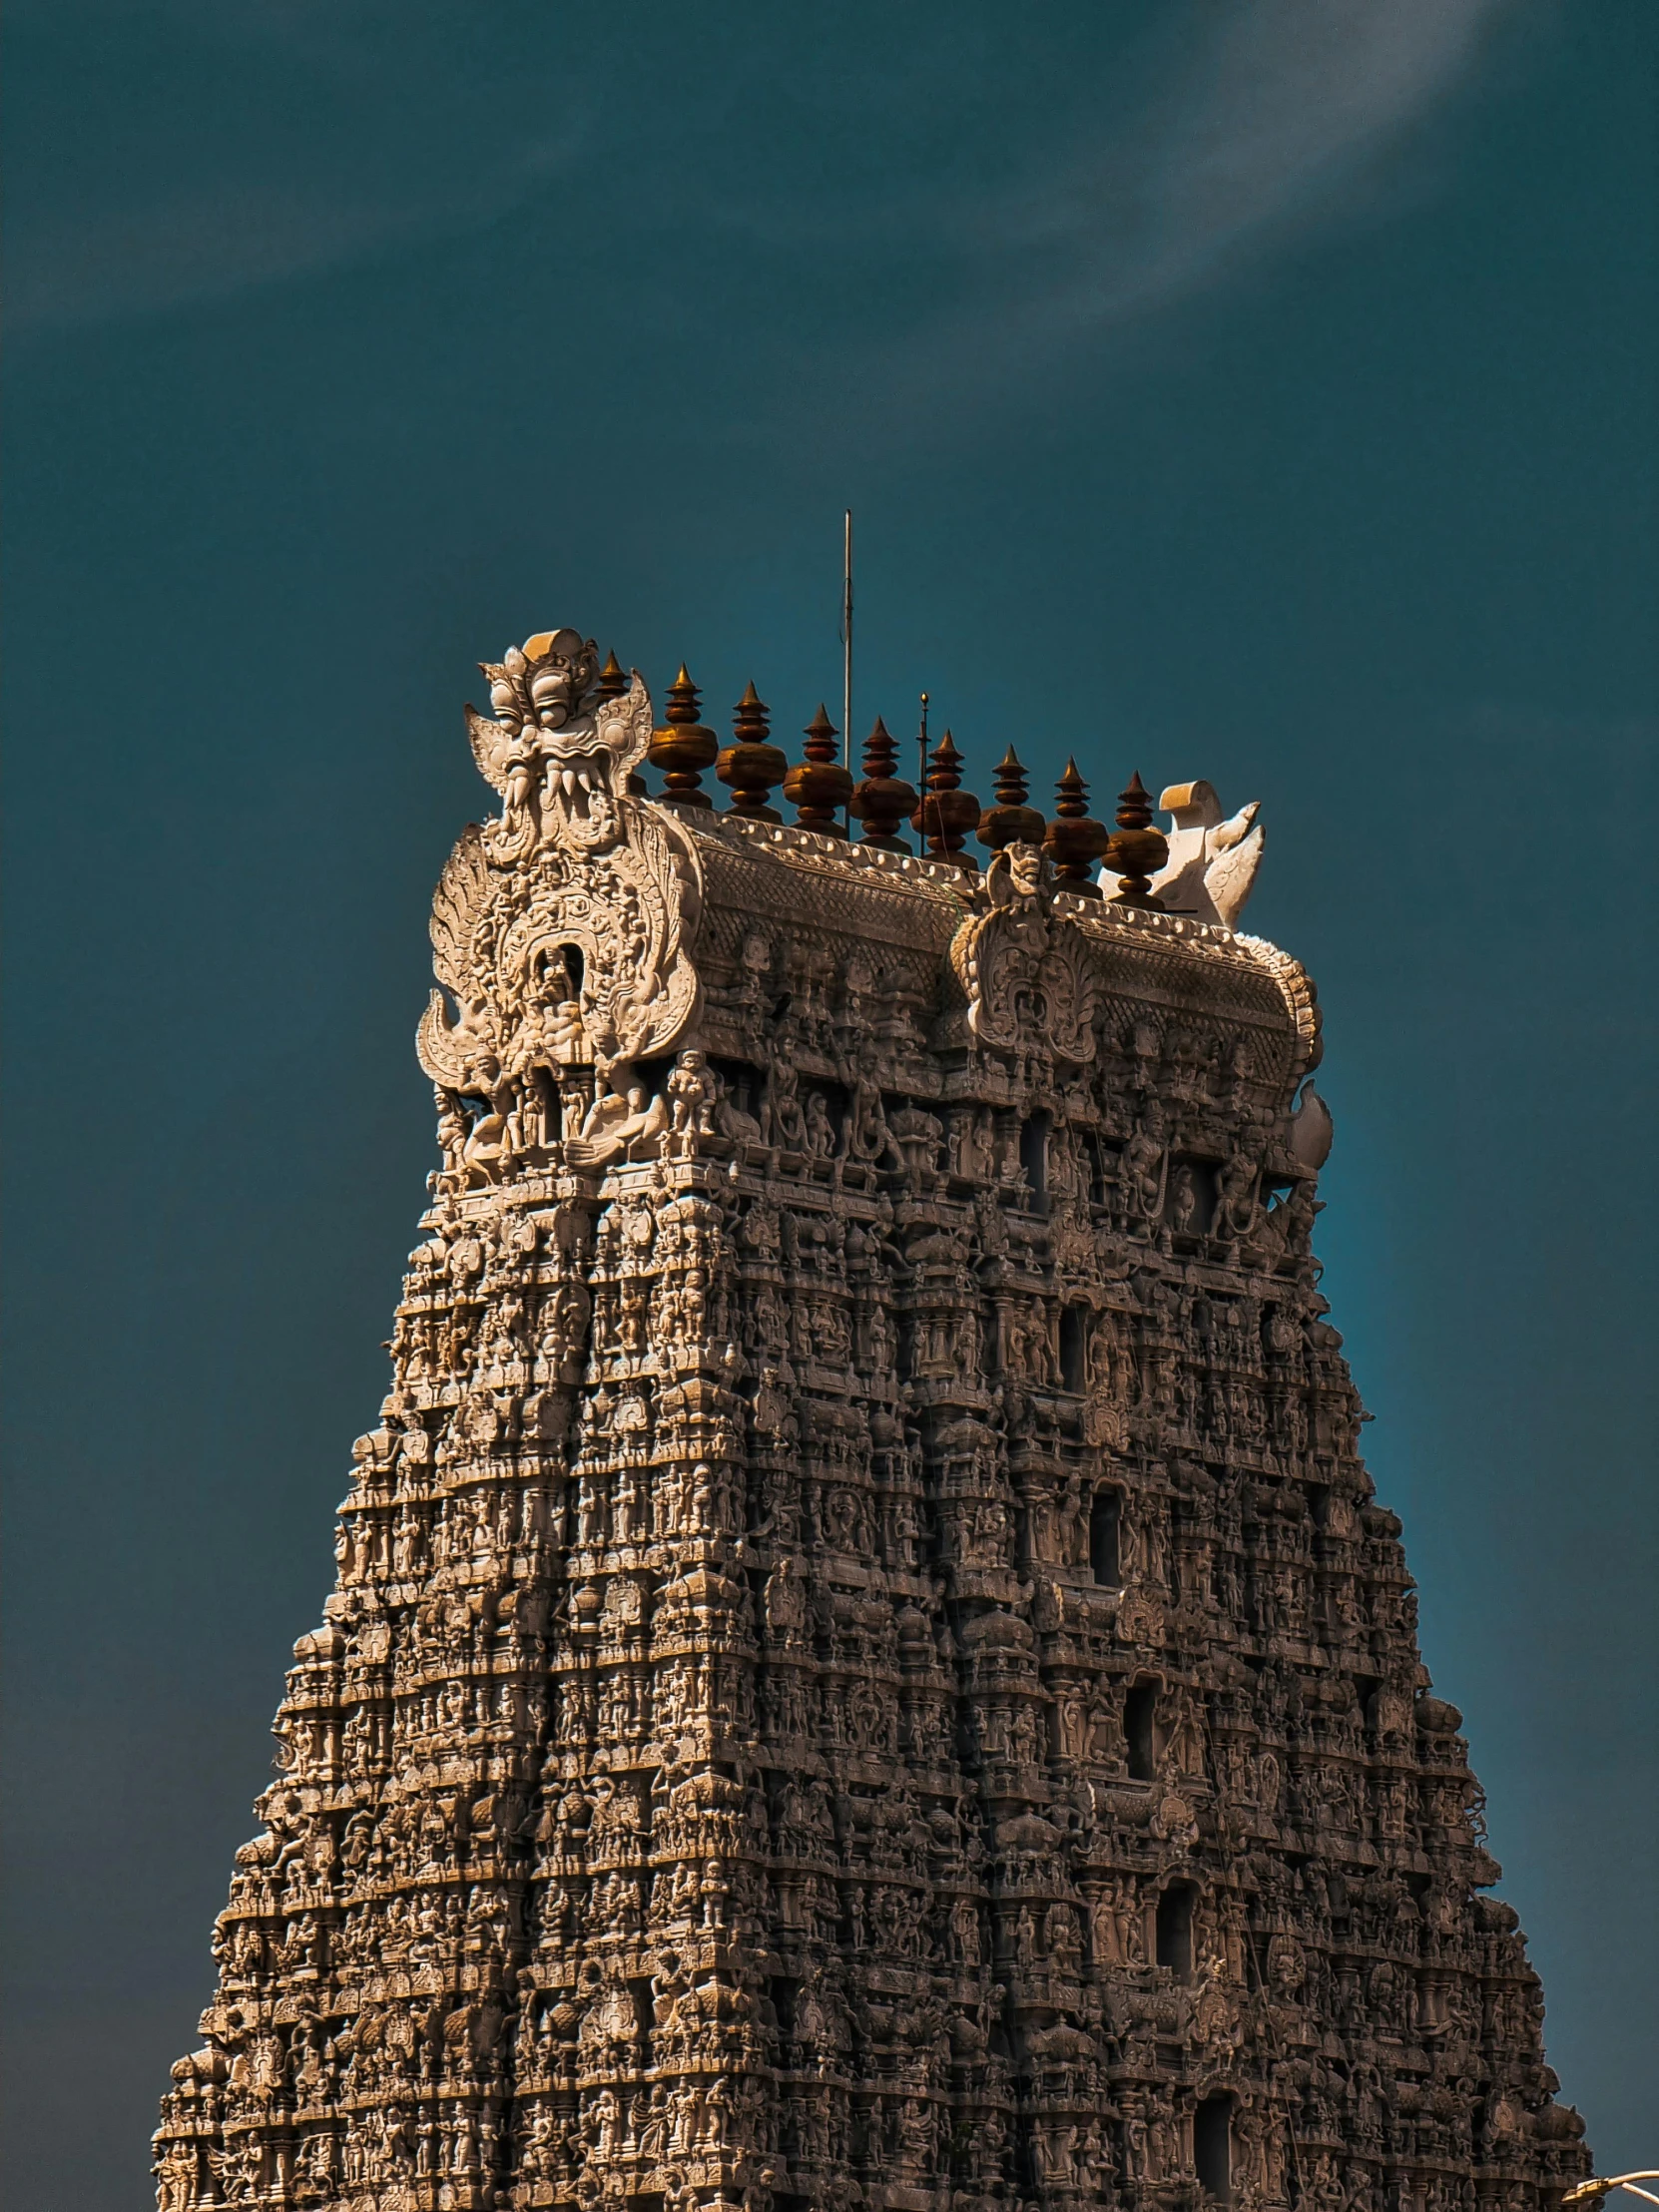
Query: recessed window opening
1097	1170
1074	1338
1213	2146
1175	1931
1104	1516
1033	1155
1138	1709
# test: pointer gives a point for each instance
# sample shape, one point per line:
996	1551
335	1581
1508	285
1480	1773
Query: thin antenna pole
921	772
846	654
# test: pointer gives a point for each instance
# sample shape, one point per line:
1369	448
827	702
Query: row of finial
822	790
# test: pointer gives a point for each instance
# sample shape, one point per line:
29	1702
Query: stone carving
1310	1130
1023	970
866	1669
559	932
1212	864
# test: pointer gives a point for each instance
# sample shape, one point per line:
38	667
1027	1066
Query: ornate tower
867	1671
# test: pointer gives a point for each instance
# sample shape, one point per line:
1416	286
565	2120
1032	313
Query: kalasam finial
819	787
882	800
1075	841
751	764
1012	821
946	813
684	748
613	677
1136	851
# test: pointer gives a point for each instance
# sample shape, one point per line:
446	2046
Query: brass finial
613	677
1010	821
684	749
1075	840
752	764
818	786
1137	851
882	799
946	813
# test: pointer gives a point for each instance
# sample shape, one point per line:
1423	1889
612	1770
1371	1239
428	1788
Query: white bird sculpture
1312	1130
1212	864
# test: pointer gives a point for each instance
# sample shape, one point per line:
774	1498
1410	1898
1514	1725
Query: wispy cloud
303	139
1269	130
1294	95
215	152
189	244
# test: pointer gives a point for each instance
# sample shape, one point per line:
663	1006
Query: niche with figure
556	977
1190	1197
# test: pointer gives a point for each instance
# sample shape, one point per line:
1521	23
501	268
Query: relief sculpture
559	932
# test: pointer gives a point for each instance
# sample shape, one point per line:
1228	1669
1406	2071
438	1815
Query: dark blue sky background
1264	392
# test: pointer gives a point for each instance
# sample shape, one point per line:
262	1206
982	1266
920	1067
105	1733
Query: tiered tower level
867	1670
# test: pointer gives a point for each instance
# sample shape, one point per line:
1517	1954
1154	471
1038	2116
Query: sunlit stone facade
865	1668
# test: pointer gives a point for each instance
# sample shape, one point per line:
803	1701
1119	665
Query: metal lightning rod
846	654
922	777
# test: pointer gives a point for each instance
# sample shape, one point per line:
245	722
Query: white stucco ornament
1211	870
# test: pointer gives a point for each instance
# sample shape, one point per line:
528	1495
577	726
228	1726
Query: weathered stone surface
866	1669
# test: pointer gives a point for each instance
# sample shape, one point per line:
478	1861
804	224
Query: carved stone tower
867	1671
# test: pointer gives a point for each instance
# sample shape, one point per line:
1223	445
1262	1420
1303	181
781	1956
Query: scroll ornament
560	929
1022	966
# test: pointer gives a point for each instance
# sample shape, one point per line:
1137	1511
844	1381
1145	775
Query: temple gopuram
867	1672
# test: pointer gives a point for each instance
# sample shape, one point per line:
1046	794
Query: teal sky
1261	390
